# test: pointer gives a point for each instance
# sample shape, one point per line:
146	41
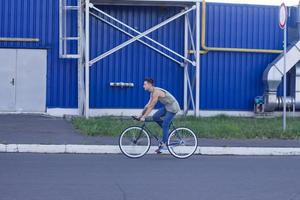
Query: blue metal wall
135	61
229	81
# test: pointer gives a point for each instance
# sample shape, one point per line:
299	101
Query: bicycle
135	141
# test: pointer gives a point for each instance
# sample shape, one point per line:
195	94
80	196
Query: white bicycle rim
182	151
132	151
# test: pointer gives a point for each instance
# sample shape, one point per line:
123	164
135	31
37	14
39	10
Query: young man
168	111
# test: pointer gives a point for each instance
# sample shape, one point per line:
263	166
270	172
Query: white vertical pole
284	79
197	58
87	58
60	28
186	54
80	64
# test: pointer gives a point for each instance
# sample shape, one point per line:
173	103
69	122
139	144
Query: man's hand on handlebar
139	118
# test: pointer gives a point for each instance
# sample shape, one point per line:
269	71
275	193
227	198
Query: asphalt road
114	177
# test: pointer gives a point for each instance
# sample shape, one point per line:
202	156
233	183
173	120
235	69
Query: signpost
282	24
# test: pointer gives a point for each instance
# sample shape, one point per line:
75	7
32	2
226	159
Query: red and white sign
282	16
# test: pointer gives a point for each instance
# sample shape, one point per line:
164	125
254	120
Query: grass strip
220	127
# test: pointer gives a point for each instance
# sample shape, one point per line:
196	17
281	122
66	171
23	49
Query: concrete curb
114	149
248	151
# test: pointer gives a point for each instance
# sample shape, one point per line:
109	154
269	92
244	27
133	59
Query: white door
23	80
31	80
7	79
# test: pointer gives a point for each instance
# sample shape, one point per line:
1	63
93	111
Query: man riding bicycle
168	111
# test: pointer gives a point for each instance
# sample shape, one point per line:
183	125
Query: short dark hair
149	80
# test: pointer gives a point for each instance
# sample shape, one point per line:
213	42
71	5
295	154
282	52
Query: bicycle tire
143	152
191	150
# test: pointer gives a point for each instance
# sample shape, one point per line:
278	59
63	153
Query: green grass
209	127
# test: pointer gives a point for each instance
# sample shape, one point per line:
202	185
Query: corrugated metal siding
39	19
135	61
230	81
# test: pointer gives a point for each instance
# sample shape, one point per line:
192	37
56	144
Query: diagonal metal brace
147	37
148	45
143	34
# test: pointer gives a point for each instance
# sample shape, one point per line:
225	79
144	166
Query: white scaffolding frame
86	62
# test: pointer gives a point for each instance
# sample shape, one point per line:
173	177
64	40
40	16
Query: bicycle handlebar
138	119
135	118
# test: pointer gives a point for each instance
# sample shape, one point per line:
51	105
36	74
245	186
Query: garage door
22	80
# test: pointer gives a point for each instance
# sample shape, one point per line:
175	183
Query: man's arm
150	105
146	106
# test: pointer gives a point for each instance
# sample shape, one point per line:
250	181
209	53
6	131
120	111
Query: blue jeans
164	123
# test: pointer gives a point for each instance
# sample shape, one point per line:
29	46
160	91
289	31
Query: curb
114	149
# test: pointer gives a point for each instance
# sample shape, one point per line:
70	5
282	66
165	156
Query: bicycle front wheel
134	142
182	143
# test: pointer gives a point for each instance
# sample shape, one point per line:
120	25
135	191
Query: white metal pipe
80	64
190	90
71	38
192	37
197	58
71	56
186	54
125	32
60	28
14	39
87	58
65	33
127	26
71	7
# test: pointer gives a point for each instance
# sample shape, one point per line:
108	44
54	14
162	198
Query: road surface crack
124	196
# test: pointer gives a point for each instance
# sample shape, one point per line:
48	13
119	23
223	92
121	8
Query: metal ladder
65	40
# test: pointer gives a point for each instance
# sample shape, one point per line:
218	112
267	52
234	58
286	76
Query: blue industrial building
229	80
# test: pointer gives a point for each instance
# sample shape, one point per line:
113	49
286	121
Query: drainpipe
207	49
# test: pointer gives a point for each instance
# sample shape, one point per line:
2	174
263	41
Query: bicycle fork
140	133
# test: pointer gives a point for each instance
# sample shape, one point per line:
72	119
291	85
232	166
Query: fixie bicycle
135	141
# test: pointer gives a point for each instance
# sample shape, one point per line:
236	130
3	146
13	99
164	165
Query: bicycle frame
144	127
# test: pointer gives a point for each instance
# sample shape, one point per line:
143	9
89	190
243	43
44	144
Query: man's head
148	84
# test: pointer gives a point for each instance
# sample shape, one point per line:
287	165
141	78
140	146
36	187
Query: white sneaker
161	147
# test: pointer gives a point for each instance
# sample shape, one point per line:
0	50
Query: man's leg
166	125
157	116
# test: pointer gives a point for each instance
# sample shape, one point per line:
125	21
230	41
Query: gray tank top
168	101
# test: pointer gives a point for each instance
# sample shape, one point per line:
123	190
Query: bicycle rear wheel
134	142
182	143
